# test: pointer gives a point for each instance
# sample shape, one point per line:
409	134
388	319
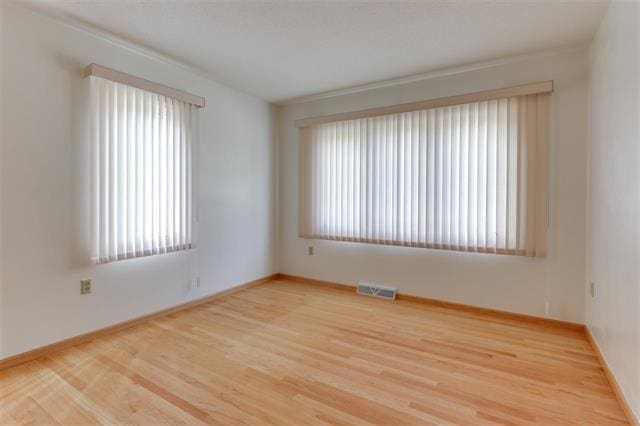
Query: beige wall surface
518	284
613	313
45	190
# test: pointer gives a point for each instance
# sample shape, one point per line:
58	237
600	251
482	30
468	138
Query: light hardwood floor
292	353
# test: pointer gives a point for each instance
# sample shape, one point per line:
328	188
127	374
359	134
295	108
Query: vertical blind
143	147
469	177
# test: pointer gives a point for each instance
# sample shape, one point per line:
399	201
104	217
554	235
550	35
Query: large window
468	177
143	181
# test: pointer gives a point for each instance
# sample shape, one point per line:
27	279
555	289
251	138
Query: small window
143	180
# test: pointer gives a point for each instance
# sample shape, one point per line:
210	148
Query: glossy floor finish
292	353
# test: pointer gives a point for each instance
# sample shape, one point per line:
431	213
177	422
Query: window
143	146
468	177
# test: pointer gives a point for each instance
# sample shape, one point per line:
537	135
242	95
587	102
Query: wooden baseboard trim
87	337
452	305
626	407
83	338
313	281
92	335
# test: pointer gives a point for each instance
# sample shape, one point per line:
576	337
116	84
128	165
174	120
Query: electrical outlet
592	289
193	284
85	286
310	250
546	308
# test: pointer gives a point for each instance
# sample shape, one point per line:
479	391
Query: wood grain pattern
626	407
92	335
292	353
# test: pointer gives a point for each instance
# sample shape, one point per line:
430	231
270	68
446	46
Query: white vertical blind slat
188	167
122	171
139	134
95	164
146	173
113	171
131	172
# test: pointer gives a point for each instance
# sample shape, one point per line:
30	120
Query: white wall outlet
85	286
592	289
546	308
193	283
310	250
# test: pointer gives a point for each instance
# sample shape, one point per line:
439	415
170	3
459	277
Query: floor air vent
376	290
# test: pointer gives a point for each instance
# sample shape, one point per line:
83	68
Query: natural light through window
461	177
143	148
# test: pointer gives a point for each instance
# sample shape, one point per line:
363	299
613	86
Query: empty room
319	212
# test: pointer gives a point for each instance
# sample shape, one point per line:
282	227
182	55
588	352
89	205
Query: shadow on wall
79	160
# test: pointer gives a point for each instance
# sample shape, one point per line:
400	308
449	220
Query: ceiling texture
283	50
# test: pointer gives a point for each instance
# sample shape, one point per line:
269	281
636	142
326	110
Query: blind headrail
141	83
506	92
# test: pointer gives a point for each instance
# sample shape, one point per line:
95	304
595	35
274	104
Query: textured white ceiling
281	50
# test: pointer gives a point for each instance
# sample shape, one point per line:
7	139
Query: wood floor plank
287	352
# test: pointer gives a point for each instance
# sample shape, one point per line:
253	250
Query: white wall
613	315
44	190
510	283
